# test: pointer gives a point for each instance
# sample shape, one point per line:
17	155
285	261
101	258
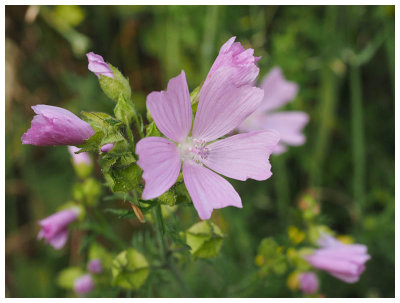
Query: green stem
158	221
137	121
357	138
166	258
130	138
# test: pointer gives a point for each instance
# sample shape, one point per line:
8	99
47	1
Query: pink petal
208	190
279	149
288	124
222	106
160	160
243	156
171	109
277	90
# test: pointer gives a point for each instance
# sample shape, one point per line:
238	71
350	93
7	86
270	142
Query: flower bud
98	66
94	266
107	147
56	126
54	229
345	262
308	282
82	162
83	284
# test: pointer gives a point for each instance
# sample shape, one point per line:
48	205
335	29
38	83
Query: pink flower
308	282
94	266
83	284
222	107
98	66
278	92
107	147
243	63
56	126
55	227
83	157
345	262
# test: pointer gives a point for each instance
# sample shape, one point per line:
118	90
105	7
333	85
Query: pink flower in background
308	282
222	107
278	92
83	284
242	63
343	261
98	66
107	147
54	229
56	126
80	158
94	266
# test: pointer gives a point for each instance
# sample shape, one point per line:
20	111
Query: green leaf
130	269
121	213
67	277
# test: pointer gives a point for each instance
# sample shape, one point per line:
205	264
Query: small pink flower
278	92
241	62
83	284
345	262
54	229
222	107
107	147
94	266
308	282
56	126
80	158
98	66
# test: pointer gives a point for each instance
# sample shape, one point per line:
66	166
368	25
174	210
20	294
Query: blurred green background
341	57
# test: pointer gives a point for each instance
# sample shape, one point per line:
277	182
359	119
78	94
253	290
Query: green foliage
130	269
205	239
67	277
270	258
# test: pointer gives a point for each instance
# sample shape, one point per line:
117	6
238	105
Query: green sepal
125	110
130	269
113	87
205	239
67	277
92	144
100	121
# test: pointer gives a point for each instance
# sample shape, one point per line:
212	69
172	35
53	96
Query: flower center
193	149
